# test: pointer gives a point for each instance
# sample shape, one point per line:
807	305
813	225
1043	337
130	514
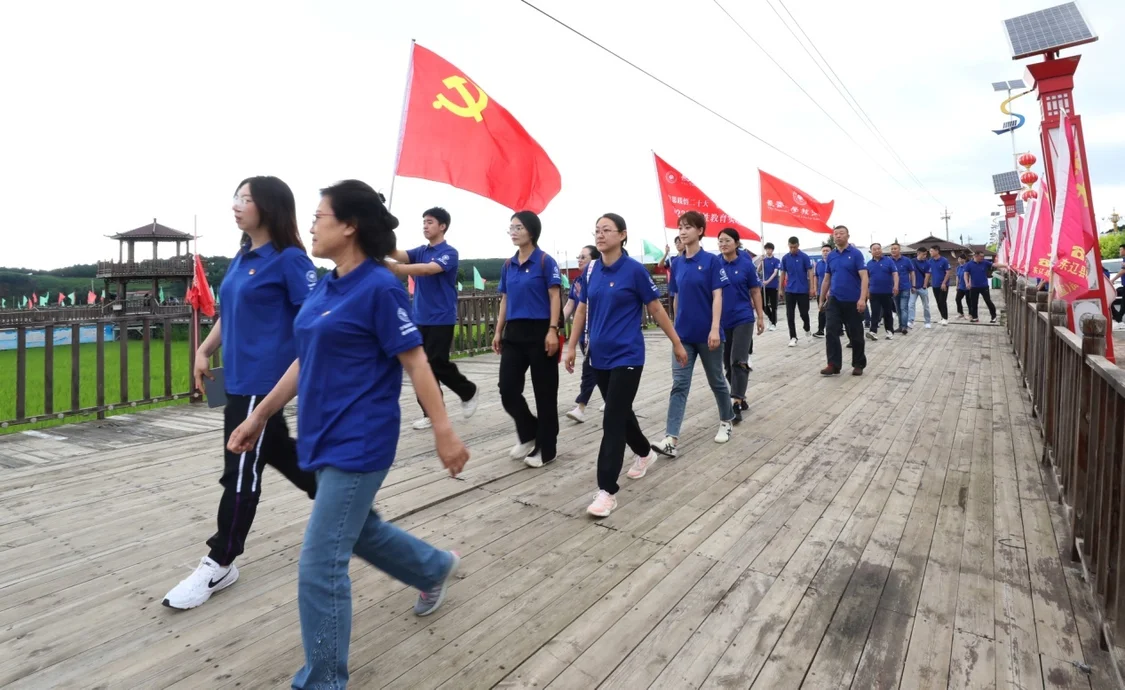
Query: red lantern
1029	194
1027	159
1029	178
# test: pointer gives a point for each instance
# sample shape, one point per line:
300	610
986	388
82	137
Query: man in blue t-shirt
819	270
844	296
883	276
962	286
976	278
918	291
905	266
434	269
938	279
771	271
797	280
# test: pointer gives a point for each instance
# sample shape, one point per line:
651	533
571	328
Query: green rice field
87	369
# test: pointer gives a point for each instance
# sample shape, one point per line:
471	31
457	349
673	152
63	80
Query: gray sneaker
430	600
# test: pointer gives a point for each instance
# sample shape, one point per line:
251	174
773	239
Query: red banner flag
199	294
784	204
1039	255
410	284
91	298
453	132
680	195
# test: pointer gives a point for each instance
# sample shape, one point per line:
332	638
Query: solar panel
1019	206
1006	182
999	86
1016	84
1047	31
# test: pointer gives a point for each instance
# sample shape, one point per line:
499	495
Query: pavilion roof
153	231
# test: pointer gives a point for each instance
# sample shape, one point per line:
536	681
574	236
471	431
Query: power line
709	109
809	95
861	113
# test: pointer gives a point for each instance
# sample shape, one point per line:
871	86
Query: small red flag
410	284
453	132
784	204
91	298
680	195
199	294
62	299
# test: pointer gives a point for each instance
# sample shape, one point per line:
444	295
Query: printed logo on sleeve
444	259
407	327
311	278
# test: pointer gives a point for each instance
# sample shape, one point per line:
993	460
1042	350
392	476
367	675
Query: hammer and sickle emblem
472	107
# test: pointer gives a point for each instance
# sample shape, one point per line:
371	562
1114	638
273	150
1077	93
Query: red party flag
91	297
199	294
784	204
1038	259
410	284
680	195
62	299
453	132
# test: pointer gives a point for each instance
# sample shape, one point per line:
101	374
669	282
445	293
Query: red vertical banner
679	195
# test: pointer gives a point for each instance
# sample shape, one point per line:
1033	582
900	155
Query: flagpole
657	171
194	312
402	122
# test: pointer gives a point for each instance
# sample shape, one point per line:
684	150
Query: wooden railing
1078	397
179	267
87	313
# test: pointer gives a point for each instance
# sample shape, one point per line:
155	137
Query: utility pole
945	216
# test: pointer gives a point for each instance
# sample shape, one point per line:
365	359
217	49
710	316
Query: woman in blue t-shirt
698	292
354	336
527	337
264	287
588	254
742	299
617	289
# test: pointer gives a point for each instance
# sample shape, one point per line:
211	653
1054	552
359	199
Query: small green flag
103	294
71	298
565	280
3	303
161	294
652	253
43	300
458	286
23	301
478	282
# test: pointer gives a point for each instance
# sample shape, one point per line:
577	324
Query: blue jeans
681	385
902	306
924	295
343	523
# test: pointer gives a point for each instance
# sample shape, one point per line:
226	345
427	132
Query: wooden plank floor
874	532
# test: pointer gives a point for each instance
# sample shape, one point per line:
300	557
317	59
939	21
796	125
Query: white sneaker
871	335
577	414
773	327
792	342
602	408
520	450
1118	326
724	432
197	588
944	322
422	424
928	326
890	336
534	460
641	465
469	407
749	364
604	504
667	447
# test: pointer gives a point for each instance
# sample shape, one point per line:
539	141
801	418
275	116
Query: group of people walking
342	343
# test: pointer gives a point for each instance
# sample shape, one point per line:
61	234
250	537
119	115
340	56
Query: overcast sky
118	112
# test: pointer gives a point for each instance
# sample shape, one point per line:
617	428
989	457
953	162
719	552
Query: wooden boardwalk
882	531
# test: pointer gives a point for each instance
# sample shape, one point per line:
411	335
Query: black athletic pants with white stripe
242	476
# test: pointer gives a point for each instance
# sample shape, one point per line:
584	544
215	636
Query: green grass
87	387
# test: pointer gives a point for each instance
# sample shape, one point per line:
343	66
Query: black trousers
841	317
820	314
1117	309
959	298
589	378
882	306
796	301
522	348
436	342
770	306
619	425
242	476
941	295
975	294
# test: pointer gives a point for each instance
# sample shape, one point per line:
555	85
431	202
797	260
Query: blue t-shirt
615	298
261	294
578	293
921	268
961	285
881	276
938	268
845	268
796	267
527	285
435	297
769	265
905	267
696	279
821	268
977	272
742	276
349	334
